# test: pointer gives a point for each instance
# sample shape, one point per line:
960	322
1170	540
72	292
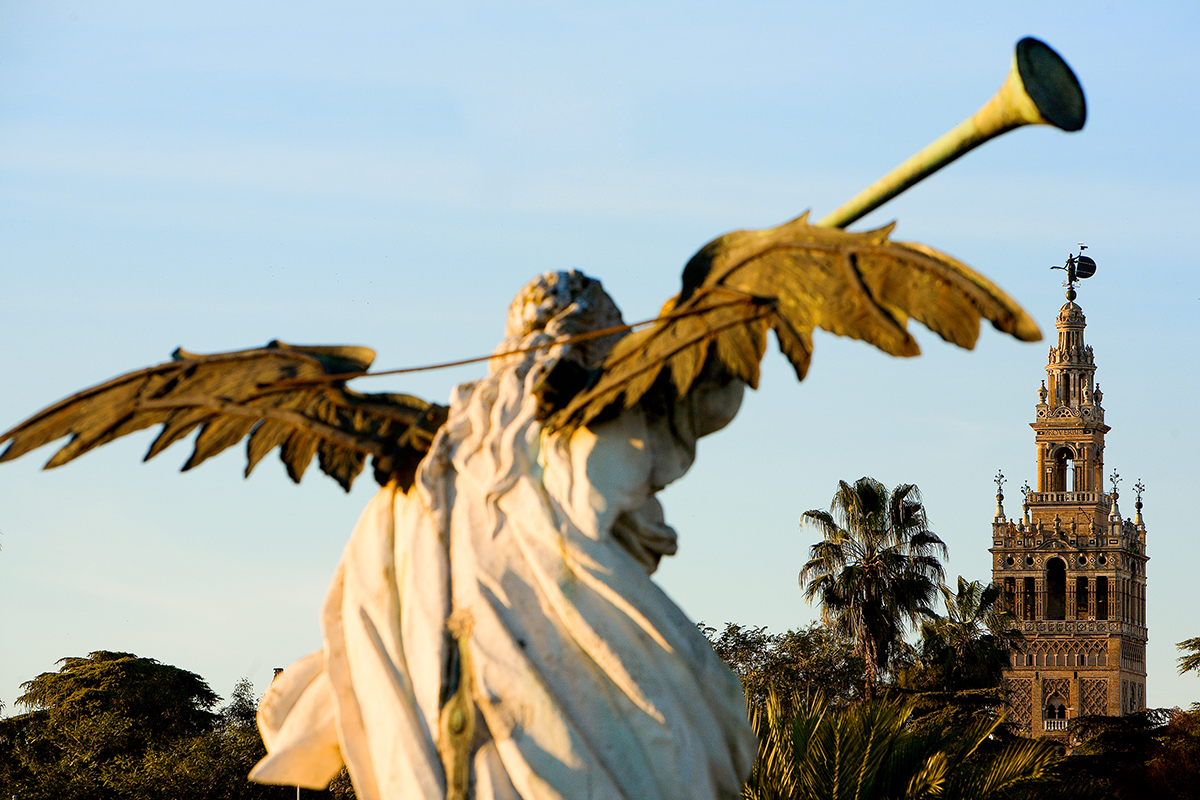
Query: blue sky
223	174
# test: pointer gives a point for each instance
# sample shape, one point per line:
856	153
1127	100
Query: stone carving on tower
1072	568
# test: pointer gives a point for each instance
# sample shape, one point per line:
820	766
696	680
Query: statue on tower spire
999	480
1077	268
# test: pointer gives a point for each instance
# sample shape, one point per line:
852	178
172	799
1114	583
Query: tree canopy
784	663
160	700
118	726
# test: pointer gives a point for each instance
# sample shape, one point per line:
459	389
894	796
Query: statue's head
564	304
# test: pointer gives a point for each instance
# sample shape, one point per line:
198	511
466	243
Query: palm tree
876	569
971	646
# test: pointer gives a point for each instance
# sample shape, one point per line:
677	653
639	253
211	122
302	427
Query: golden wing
792	279
279	396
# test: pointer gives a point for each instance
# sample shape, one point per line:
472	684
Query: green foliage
242	709
93	722
968	649
157	700
209	766
876	570
1190	660
868	750
936	710
340	788
1174	768
784	663
113	725
1152	753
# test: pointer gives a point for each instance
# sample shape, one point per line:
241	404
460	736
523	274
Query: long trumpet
1040	90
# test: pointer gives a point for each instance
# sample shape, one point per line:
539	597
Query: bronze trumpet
1040	90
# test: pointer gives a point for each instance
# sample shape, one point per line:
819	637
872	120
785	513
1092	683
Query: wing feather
685	365
793	279
297	452
217	435
178	425
280	396
340	463
266	437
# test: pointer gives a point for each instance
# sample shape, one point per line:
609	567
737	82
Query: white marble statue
519	563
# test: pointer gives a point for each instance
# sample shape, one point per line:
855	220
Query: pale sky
222	174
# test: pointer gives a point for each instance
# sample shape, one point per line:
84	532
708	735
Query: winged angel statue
492	630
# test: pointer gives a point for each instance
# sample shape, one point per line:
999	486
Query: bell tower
1072	568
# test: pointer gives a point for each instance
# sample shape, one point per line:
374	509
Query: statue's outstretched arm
792	279
279	395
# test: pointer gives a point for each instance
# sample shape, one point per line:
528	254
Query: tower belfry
1073	569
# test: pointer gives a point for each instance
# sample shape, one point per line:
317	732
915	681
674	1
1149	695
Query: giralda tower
1073	570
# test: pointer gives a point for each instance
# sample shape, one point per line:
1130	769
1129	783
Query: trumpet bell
1050	85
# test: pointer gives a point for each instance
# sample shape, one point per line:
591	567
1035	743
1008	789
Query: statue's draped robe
588	682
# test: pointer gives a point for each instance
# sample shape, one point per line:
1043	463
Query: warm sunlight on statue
492	630
496	625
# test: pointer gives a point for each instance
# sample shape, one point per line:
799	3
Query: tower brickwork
1072	568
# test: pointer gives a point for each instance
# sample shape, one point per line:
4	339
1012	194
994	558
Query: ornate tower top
1070	420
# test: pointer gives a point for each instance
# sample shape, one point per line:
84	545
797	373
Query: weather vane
999	479
1077	268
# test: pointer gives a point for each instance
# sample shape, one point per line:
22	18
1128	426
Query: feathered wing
792	279
279	396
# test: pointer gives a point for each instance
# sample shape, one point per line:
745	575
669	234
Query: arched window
1058	468
1081	598
1056	708
1056	589
1102	597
